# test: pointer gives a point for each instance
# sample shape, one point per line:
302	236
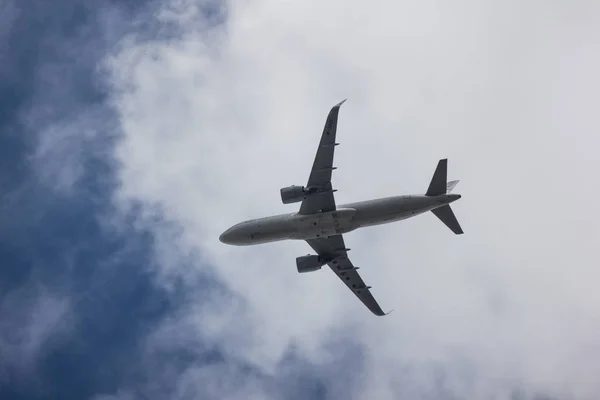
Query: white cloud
217	120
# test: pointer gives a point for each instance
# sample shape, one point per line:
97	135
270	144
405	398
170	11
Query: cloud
218	117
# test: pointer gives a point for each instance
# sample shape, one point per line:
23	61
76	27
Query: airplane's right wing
334	249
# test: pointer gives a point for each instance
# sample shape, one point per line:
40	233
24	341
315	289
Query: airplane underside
322	224
315	226
345	219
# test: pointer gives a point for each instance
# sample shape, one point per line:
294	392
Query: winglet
340	103
389	312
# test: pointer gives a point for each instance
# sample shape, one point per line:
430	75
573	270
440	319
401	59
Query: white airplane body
321	223
344	219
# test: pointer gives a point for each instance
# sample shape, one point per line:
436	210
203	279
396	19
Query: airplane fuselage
345	218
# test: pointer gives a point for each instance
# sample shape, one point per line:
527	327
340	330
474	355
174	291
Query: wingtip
340	103
381	313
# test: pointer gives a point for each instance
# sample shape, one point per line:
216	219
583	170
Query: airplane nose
226	237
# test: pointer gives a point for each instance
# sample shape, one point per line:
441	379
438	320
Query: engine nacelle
309	263
293	194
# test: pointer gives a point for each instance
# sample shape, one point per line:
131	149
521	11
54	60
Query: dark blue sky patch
55	245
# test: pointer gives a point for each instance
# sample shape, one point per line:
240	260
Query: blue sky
55	250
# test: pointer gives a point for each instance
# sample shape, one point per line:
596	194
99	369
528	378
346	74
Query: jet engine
294	194
309	263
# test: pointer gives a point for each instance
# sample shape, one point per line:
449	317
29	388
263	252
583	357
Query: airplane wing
334	249
320	175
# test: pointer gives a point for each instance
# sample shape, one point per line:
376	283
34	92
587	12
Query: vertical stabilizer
438	182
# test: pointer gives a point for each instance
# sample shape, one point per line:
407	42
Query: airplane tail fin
439	185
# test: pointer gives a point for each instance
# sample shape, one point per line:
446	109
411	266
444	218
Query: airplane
321	223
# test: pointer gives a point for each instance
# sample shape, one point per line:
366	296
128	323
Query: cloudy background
132	134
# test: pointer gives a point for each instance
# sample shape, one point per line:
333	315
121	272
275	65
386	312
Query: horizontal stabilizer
446	215
438	182
450	186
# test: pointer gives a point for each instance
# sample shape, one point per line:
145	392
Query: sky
133	133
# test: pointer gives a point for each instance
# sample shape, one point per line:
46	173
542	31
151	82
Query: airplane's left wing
333	248
320	174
